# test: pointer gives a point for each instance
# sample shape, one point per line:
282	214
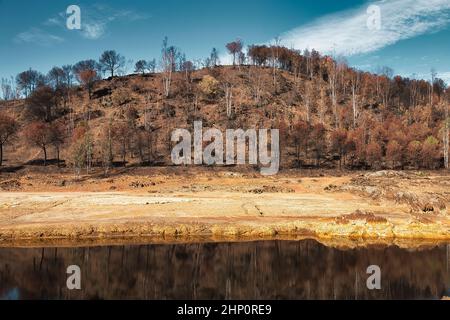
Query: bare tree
414	91
431	88
169	58
275	49
384	84
228	89
8	129
308	97
41	104
446	135
333	73
57	132
151	65
106	147
322	106
234	48
121	134
68	75
214	57
56	77
355	81
309	63
29	80
86	65
7	89
39	134
188	68
256	81
111	61
87	78
141	67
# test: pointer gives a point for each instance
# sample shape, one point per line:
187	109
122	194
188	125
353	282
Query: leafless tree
333	74
228	89
384	85
8	129
169	58
431	88
414	91
141	67
256	81
111	61
7	89
39	134
214	57
308	97
275	55
446	134
355	82
235	48
29	80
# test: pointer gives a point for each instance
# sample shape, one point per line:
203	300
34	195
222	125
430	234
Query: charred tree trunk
44	148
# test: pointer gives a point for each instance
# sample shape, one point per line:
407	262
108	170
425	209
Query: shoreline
377	208
324	232
338	242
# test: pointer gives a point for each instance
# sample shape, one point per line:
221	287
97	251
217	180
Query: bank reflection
254	270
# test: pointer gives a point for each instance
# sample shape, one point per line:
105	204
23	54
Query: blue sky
414	35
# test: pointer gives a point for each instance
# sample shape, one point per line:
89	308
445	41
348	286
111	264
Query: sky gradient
414	35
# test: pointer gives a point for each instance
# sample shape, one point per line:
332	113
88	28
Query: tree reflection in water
249	270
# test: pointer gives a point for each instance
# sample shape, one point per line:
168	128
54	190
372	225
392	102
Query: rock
386	173
139	184
331	187
10	185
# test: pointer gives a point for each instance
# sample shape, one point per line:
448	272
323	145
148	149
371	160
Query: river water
244	270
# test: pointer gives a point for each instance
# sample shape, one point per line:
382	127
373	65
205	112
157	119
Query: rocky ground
166	204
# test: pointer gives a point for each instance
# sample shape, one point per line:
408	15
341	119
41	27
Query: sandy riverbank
379	207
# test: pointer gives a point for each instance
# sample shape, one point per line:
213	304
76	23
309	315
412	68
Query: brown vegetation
329	114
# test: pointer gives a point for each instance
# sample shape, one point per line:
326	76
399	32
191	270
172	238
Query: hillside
328	118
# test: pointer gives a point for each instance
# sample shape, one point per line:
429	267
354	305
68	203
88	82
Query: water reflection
256	270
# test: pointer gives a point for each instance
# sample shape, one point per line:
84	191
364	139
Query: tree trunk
228	100
45	155
354	106
57	156
1	154
124	155
149	146
446	137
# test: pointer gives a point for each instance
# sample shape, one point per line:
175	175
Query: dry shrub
121	96
369	217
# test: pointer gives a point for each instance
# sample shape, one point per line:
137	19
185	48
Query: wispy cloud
95	21
346	33
38	36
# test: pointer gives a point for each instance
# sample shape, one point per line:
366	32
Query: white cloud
54	21
37	36
94	24
95	20
346	33
93	30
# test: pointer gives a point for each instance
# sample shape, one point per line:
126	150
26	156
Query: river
243	270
